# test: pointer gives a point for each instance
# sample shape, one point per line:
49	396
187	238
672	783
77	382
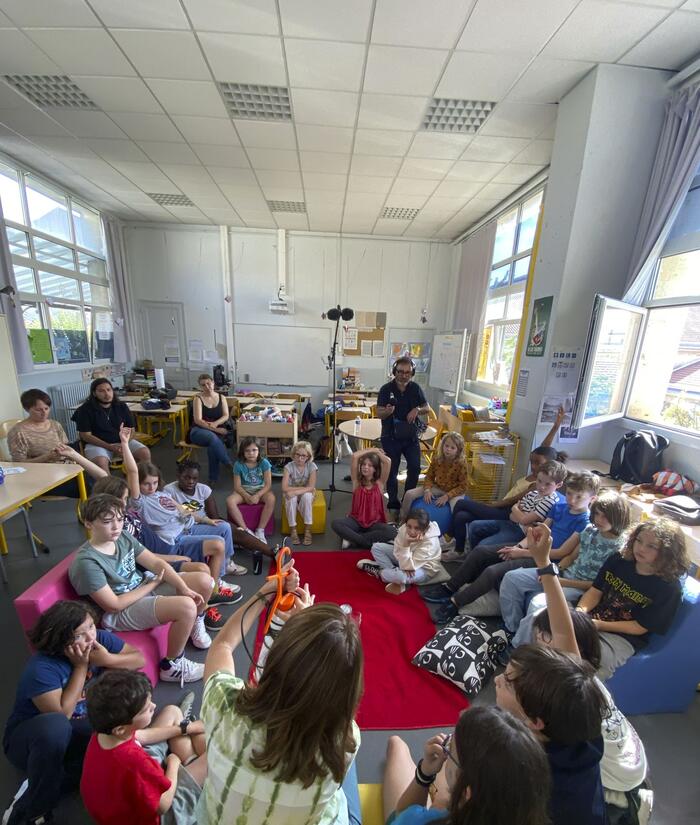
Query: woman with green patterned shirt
282	752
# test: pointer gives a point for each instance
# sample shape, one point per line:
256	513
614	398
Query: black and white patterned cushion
463	652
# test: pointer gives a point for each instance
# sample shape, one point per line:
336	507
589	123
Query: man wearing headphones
399	403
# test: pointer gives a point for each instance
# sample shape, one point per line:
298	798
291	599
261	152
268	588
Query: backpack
637	456
683	509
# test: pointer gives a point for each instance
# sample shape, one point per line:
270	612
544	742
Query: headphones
403	360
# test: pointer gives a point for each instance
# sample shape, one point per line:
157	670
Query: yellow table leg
3	541
82	492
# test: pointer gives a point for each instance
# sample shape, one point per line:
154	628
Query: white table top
36	480
174	408
371	430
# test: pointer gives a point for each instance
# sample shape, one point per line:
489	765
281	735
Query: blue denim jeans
394	449
352	794
216	449
466	511
493	532
192	544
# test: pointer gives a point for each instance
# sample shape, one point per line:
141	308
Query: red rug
397	694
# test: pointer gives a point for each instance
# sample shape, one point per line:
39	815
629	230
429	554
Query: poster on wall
539	326
418	351
366	338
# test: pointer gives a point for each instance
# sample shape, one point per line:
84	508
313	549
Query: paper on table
10	471
491	458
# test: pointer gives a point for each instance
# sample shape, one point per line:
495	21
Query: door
164	339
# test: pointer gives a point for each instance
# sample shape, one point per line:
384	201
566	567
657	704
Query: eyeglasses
403	372
446	748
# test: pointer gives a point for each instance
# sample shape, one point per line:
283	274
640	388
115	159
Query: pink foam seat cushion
251	516
55	585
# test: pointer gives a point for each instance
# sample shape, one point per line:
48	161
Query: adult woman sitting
210	414
42	440
282	751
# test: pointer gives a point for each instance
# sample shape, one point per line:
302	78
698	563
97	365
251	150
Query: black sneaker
436	594
372	568
213	620
446	613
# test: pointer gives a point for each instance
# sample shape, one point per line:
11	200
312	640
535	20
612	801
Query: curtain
474	269
675	166
124	341
10	306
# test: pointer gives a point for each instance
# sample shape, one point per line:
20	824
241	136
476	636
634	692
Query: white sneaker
446	544
260	534
452	555
182	670
22	788
345	545
233	569
199	636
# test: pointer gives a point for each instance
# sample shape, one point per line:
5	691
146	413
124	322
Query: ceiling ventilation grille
165	199
457	116
252	102
287	206
57	91
399	213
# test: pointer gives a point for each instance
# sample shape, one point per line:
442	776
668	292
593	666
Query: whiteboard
283	355
449	353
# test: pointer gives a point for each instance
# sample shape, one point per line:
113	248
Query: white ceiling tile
425	168
168	152
357	224
191	176
385	226
363	202
391	112
207	202
82	51
412	186
324	181
510	26
56	13
245	197
213	155
31	122
482	204
474	170
238	177
671	45
421	25
406	201
691	5
119	94
480	76
330	162
146	127
266	135
517	173
401	70
497	191
496	149
146	14
324	108
18	55
274	159
189	97
382	142
669	4
319	199
212	130
464	189
10	98
321	64
86	124
139	172
167	54
324	138
330	20
244	16
269	179
602	31
446	207
538	152
245	58
66	147
224	217
257	218
188	214
281	193
548	79
432	145
362	183
291	220
513	118
549	131
383	167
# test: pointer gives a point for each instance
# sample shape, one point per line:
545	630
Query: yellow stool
371	804
318	513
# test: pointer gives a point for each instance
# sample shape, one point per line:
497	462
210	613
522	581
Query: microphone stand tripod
331	362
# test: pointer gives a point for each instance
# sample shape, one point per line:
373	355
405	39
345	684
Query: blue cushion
442	515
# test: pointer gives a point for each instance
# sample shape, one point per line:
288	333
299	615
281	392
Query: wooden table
346	414
176	414
371	430
20	489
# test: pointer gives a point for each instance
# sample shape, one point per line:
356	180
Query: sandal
307	537
294	537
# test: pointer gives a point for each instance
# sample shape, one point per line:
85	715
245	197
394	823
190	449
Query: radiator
65	398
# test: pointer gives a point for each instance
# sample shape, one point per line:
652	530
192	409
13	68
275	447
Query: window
58	256
515	234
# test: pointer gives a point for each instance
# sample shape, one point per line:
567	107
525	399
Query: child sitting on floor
135	771
446	478
582	556
299	489
413	557
252	484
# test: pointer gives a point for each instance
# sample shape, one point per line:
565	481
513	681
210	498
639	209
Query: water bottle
2	476
357	425
257	563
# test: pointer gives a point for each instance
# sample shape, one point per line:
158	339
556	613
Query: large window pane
515	305
495	309
88	228
666	387
25	279
88	265
10	195
505	236
18	241
93	294
528	222
499	276
48	209
69	336
679	276
48	252
39	341
56	286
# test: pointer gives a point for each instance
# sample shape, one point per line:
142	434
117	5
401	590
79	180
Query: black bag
637	456
404	430
683	509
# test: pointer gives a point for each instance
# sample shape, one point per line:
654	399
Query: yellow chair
318	512
371	804
5	427
186	450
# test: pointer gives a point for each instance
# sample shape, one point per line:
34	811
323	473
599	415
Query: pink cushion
55	585
251	516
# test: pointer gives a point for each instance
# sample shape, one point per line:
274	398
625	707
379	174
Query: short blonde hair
303	447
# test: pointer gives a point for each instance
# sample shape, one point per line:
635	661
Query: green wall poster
40	346
539	326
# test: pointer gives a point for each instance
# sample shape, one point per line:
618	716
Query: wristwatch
550	570
183	726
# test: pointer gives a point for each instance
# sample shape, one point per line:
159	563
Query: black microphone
336	313
347	314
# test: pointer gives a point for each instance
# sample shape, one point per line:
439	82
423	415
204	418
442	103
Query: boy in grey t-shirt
137	590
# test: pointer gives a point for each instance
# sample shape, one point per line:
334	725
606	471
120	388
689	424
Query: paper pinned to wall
171	349
378	349
365	348
349	338
211	356
195	351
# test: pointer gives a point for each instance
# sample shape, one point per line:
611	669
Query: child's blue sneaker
436	594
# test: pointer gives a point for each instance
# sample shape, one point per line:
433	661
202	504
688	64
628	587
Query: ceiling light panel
57	91
170	200
252	102
457	116
399	213
287	206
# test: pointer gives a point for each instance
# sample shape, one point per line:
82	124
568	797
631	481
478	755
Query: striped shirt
534	502
235	792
